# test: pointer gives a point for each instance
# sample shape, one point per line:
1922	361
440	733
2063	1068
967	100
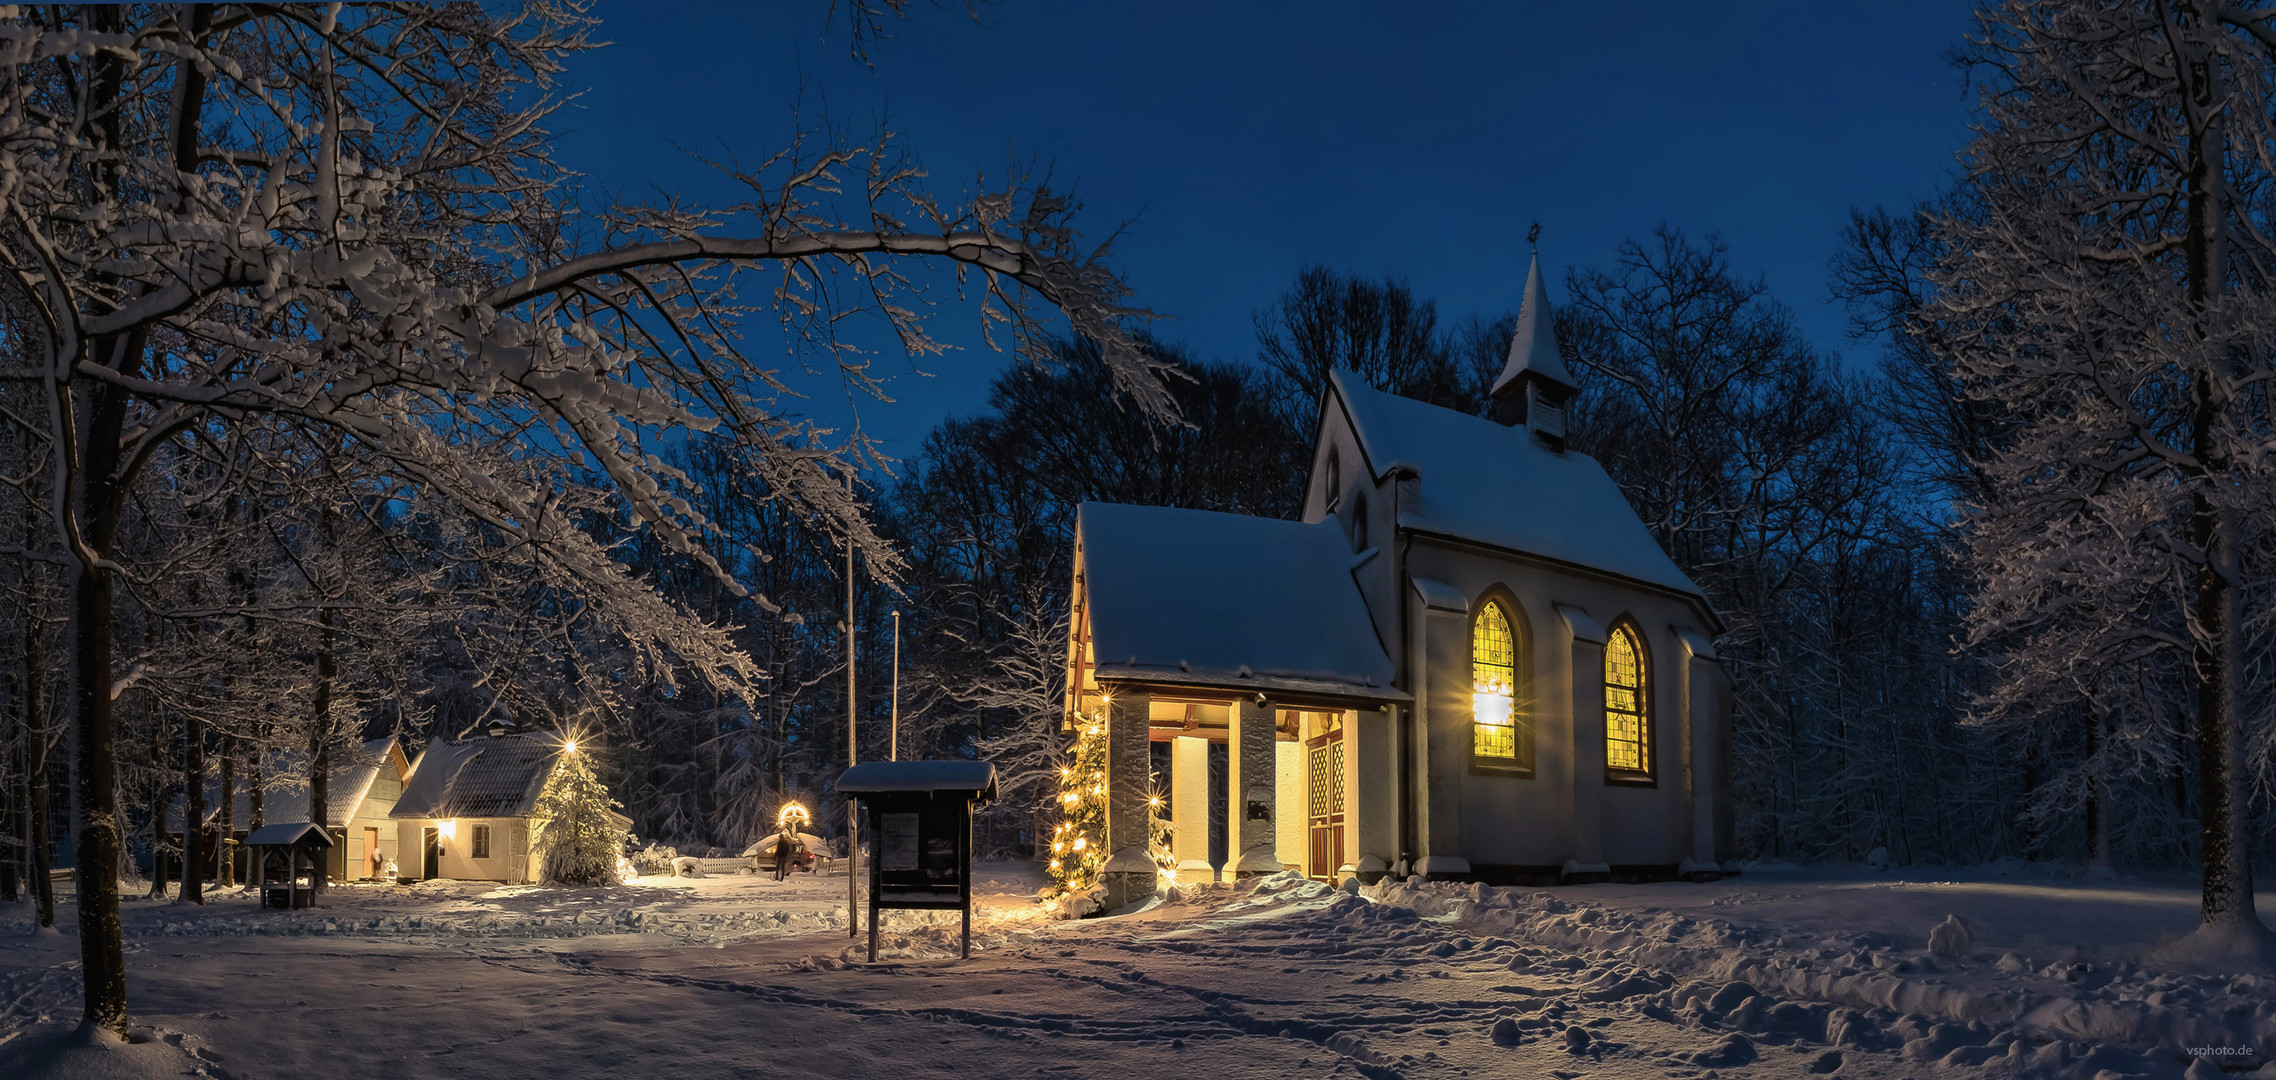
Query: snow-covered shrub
1062	903
1950	939
654	859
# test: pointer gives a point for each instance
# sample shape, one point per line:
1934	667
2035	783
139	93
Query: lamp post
893	747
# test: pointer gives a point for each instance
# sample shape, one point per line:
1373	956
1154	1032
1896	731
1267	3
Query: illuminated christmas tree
580	839
1078	844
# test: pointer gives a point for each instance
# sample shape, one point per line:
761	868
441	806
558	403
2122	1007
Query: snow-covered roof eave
288	832
1249	683
878	777
1681	588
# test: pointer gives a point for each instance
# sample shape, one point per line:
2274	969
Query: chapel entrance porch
1248	788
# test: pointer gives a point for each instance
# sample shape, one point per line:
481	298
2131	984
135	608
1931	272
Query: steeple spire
1533	349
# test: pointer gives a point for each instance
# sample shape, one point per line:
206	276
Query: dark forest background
1814	498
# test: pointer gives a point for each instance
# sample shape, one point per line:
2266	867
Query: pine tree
580	839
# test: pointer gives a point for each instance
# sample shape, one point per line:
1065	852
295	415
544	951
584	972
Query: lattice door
1324	791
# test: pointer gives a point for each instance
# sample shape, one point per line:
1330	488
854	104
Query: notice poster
897	842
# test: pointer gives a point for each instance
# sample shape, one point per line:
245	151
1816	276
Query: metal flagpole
893	748
853	816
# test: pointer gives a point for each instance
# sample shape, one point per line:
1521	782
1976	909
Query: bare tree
2108	288
350	218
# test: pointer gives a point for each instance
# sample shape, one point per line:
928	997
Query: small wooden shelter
291	857
920	821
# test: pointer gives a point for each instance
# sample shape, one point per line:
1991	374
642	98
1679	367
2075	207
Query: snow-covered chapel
1469	659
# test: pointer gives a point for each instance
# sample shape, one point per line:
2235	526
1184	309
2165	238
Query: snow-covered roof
284	787
1534	347
1201	598
479	777
978	777
289	832
1496	485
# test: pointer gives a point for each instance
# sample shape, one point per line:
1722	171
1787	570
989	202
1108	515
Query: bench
691	866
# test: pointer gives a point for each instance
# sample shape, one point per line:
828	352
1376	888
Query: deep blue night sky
1247	140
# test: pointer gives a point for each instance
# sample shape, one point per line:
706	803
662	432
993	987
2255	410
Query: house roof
290	832
1482	481
1201	598
1533	349
479	777
284	787
976	777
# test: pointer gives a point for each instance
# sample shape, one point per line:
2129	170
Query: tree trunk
227	876
2097	795
320	737
2224	841
157	803
14	756
2224	845
193	809
101	953
35	760
42	875
96	503
256	868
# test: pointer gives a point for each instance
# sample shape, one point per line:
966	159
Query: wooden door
432	864
1323	769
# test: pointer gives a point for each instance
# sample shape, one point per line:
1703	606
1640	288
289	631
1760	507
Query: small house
468	811
364	782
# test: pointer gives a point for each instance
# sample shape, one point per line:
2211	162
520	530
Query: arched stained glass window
1627	733
1493	675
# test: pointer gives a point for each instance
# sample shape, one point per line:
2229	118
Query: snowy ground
1780	973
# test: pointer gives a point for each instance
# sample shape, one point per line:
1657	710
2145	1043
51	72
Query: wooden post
965	861
874	872
853	818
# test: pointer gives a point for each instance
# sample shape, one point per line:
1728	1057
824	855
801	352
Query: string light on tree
1078	841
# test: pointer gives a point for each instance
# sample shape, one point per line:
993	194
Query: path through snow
1771	975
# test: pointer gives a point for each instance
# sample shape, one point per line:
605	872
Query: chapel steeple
1534	385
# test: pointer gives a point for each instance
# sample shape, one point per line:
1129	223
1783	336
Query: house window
1493	677
482	841
1627	717
1359	523
1334	479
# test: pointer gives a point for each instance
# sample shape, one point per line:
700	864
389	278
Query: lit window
1493	677
482	841
1627	735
